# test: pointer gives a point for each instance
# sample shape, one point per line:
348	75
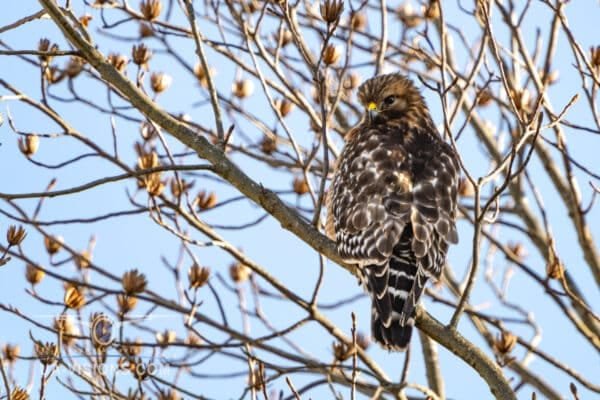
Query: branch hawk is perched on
392	203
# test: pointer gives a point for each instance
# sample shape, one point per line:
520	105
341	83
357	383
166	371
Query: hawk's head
391	97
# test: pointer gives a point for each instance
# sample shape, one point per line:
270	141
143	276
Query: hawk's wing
387	181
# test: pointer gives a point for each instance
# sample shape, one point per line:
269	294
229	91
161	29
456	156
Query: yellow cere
372	106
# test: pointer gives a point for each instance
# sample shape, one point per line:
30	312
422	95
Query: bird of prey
392	203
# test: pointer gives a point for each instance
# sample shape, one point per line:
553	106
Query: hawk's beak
372	110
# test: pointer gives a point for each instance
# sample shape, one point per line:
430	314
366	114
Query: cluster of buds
239	272
119	61
432	10
331	10
242	88
134	282
151	9
14	235
159	82
153	184
74	297
34	274
206	200
141	55
29	145
198	276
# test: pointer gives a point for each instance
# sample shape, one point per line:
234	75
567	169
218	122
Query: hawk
392	203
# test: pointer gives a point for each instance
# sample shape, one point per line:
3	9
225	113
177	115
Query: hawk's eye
388	101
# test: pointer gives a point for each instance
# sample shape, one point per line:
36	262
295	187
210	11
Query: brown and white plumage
392	203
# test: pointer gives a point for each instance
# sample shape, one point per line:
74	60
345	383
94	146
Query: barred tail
395	288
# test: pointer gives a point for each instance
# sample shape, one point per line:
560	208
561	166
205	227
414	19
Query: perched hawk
392	203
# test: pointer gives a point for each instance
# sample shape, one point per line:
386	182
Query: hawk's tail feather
395	288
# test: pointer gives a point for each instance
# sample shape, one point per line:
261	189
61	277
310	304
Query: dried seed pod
141	55
47	353
74	67
131	348
268	145
206	200
134	282
83	260
168	395
119	61
342	351
126	303
179	187
151	9
45	46
74	298
166	338
300	185
242	88
146	30
19	394
432	10
466	188
504	343
554	267
33	274
239	272
284	106
148	160
518	250
11	353
154	185
14	235
285	37
148	132
66	329
331	10
29	145
332	54
485	98
198	276
408	16
201	74
159	82
358	21
85	20
595	56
